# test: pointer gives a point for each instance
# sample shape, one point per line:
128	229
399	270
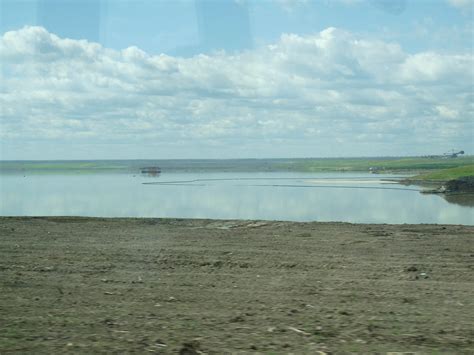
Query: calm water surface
360	198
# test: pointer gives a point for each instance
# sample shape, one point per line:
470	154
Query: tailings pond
347	197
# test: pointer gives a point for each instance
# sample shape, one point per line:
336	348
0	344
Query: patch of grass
380	164
64	167
448	174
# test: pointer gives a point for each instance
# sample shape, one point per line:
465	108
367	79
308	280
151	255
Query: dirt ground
88	285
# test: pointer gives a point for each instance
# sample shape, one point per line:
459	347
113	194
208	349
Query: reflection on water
274	196
460	199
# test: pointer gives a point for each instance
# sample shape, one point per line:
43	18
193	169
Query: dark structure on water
151	170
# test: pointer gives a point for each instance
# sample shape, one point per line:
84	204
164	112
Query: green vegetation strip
376	164
447	174
411	165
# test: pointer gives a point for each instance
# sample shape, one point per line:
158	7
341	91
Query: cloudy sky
116	79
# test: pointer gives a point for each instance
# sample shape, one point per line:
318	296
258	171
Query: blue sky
192	27
235	78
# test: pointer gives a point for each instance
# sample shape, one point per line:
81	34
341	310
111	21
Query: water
358	198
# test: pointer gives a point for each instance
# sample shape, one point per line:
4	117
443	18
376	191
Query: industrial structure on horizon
451	154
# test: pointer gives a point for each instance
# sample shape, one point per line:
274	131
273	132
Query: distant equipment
151	170
453	154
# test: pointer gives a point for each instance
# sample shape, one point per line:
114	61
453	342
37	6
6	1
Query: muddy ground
88	285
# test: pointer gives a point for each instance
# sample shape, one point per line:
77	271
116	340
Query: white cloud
462	4
347	2
447	112
303	93
290	5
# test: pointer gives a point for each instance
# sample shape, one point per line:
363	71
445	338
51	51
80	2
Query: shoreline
235	221
459	186
84	284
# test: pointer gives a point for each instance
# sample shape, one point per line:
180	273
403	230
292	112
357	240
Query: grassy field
448	174
64	166
412	165
379	164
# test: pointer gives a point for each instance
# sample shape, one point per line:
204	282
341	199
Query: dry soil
91	285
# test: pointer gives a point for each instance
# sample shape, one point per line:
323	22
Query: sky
150	79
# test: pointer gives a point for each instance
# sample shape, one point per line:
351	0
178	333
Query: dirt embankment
200	286
461	185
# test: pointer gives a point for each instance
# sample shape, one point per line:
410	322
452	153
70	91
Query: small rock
138	281
191	348
217	263
237	319
299	331
160	343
